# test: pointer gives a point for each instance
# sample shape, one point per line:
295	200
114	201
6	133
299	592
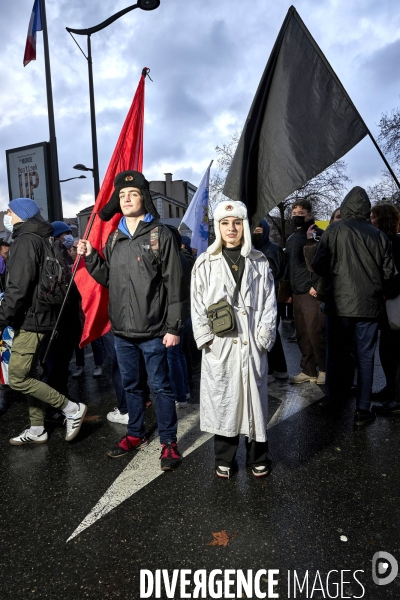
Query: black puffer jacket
20	307
301	280
355	258
147	298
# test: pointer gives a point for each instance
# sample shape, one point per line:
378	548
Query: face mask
256	238
298	221
7	223
68	241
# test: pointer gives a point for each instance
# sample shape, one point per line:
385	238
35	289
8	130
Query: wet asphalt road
328	481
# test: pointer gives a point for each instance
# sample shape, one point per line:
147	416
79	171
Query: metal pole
383	157
96	177
55	203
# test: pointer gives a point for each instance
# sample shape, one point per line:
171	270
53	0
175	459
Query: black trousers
389	353
225	451
276	356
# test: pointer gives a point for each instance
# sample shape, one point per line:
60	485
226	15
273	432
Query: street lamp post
144	5
70	178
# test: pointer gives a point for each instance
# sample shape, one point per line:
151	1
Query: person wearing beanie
234	374
32	321
147	308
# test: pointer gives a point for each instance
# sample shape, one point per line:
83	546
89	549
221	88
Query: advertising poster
27	170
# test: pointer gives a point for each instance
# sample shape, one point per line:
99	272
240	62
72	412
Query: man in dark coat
277	366
147	307
308	318
354	257
32	320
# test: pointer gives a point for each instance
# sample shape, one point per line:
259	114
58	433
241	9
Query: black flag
301	121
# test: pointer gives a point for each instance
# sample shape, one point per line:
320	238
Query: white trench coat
234	373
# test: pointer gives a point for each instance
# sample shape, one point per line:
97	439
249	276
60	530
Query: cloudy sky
206	59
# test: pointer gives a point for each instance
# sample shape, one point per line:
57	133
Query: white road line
145	465
295	397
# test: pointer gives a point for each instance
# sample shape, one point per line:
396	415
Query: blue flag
196	216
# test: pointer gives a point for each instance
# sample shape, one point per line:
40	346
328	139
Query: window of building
177	211
170	211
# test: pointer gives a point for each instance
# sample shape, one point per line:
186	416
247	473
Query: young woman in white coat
234	374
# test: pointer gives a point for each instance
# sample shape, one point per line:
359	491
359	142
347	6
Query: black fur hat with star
123	180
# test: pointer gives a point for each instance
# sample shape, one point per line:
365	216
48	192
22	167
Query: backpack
55	273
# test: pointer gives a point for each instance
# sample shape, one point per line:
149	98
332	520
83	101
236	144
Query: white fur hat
231	208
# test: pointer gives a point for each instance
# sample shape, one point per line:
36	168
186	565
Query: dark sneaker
363	417
261	470
331	405
170	457
382	397
390	408
127	443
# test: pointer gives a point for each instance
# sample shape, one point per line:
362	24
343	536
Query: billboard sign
28	175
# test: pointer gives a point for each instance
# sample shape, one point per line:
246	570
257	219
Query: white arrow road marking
295	398
145	465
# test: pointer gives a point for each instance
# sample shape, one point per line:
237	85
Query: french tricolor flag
35	24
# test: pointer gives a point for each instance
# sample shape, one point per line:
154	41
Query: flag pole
78	260
209	167
389	168
55	204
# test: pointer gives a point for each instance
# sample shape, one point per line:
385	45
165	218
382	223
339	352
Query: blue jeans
155	358
97	350
109	347
178	373
350	339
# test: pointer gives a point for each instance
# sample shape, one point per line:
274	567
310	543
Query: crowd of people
166	305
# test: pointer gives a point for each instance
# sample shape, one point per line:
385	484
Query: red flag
35	24
128	155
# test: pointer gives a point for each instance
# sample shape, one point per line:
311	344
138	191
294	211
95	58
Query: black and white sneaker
261	470
73	422
28	438
225	472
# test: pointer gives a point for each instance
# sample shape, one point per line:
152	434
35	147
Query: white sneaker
74	422
302	378
98	372
79	372
181	404
321	378
116	417
271	378
28	438
281	374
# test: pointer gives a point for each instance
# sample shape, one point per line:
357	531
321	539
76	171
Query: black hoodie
20	307
355	258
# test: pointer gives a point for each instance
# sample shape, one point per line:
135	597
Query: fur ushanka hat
231	208
123	180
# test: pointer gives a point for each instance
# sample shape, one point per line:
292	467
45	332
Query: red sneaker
127	443
171	458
